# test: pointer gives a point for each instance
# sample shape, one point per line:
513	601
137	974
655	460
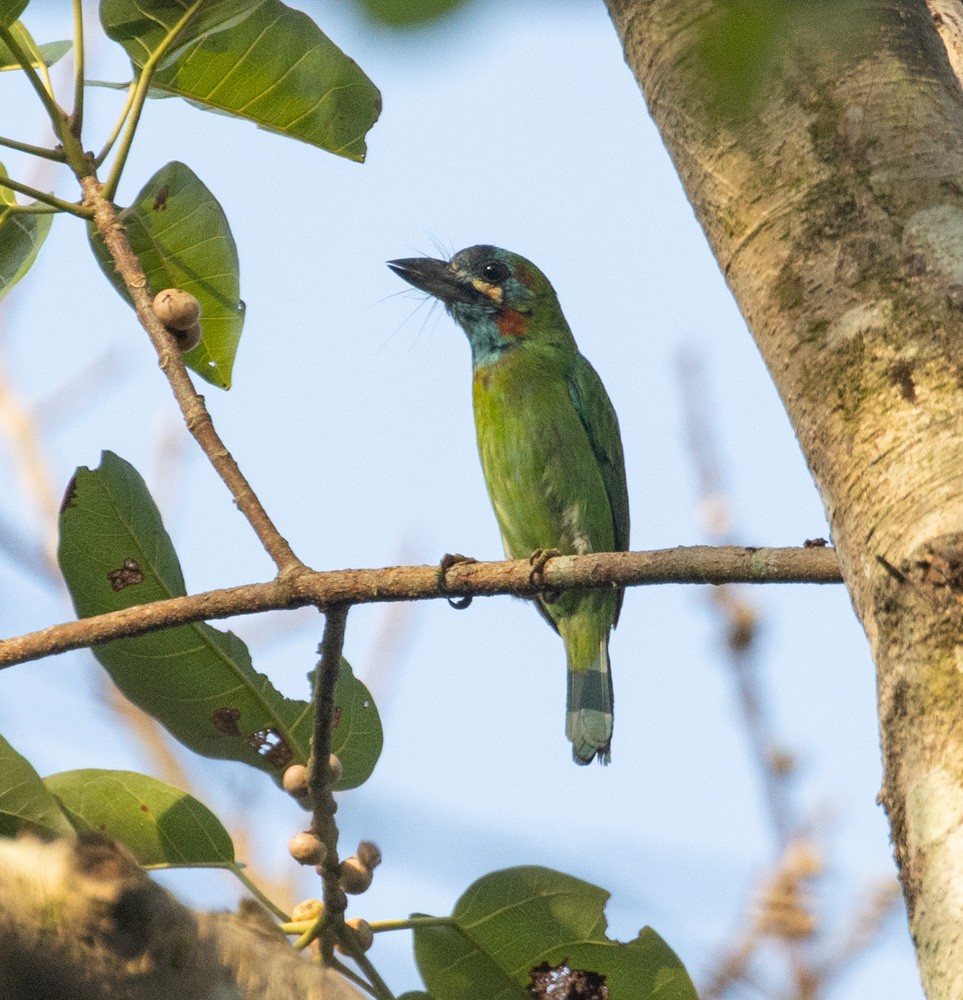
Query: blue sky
517	125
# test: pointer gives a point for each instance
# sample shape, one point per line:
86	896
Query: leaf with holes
181	235
21	237
162	826
25	803
532	932
275	68
197	681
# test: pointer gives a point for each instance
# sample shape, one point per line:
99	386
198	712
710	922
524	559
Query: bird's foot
447	561
538	560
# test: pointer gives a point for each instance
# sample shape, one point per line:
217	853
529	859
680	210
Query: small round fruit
355	877
363	934
369	854
308	909
307	848
177	309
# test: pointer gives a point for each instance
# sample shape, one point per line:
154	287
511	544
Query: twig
321	777
191	403
26	147
696	564
48	199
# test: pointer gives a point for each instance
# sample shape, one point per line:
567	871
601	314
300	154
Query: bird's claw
447	561
538	561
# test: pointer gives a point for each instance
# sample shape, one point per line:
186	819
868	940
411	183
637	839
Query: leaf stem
25	147
269	904
118	125
48	199
77	115
411	923
140	96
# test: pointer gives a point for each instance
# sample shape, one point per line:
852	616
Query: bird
551	452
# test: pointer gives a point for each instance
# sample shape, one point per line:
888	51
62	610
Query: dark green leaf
277	69
161	825
181	235
526	928
415	995
25	803
21	236
196	680
10	10
409	13
45	55
141	28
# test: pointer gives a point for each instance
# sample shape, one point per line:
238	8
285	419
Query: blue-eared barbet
550	449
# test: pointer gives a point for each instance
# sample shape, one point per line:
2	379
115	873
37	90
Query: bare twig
695	564
321	777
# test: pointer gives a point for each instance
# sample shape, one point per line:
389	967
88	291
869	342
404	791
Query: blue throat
487	343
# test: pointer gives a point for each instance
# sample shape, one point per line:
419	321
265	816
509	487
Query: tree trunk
829	180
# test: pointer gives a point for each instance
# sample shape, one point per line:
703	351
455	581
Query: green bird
550	449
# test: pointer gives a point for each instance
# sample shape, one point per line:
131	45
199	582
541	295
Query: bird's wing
598	418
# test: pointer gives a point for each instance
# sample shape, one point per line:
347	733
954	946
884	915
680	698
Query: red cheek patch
511	323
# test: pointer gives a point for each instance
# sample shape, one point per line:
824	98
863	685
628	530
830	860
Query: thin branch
47	199
191	403
25	147
321	777
696	564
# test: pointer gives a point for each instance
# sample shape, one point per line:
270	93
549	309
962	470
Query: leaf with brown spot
532	932
198	681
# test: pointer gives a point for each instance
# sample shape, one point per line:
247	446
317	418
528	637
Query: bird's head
500	299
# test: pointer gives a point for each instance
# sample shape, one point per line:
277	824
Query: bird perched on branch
551	452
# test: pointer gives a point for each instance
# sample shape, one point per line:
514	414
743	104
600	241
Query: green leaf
416	995
21	236
521	929
45	55
277	69
25	803
161	825
409	13
141	28
10	10
197	681
181	235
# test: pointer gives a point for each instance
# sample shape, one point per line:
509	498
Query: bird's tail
588	722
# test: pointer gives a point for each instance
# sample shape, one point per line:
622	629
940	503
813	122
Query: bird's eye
495	272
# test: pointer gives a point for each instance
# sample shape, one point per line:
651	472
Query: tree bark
80	919
831	191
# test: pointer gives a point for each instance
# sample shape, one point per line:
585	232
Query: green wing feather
598	417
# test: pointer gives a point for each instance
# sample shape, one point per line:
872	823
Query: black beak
436	278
